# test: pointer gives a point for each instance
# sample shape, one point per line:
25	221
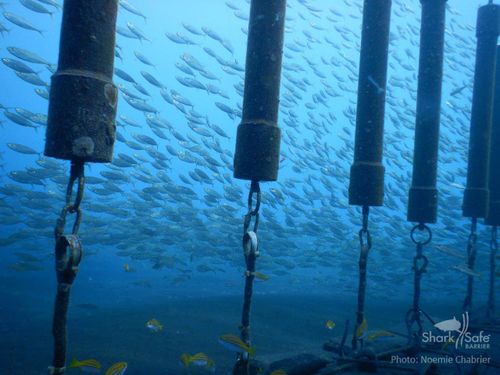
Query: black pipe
366	186
493	217
258	137
83	98
423	196
475	202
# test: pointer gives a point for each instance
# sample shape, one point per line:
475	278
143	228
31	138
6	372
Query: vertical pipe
475	203
423	196
493	217
258	137
82	106
366	186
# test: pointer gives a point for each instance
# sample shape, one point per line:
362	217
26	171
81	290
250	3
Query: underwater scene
163	274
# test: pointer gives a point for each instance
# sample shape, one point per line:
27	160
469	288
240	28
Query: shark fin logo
453	325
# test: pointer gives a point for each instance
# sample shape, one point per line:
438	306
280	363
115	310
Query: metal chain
490	311
252	212
68	254
76	175
471	259
365	242
364	232
250	252
420	262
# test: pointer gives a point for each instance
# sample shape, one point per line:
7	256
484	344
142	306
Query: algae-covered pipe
423	196
258	137
475	203
366	186
83	98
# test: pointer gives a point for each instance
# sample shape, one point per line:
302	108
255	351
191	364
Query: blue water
308	233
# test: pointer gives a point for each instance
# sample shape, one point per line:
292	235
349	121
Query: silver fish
21	22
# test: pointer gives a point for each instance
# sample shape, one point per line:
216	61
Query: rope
68	254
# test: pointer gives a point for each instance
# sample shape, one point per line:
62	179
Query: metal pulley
83	98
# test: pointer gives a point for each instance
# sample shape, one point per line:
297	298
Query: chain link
251	252
76	175
252	212
67	263
420	262
365	243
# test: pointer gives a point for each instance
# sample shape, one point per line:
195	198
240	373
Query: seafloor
281	325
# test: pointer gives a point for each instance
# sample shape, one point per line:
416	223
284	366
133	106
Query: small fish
458	90
154	325
32	78
151	79
198	359
191	82
447	250
361	330
140	105
457	185
22	149
124	75
260	276
26	55
21	22
235	344
118	368
143	59
278	372
35	7
138	32
17	65
129	7
379	334
120	30
126	267
330	324
88	365
53	3
192	29
466	270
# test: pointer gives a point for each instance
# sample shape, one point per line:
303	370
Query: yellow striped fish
379	334
88	365
235	344
361	330
330	324
198	359
118	368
